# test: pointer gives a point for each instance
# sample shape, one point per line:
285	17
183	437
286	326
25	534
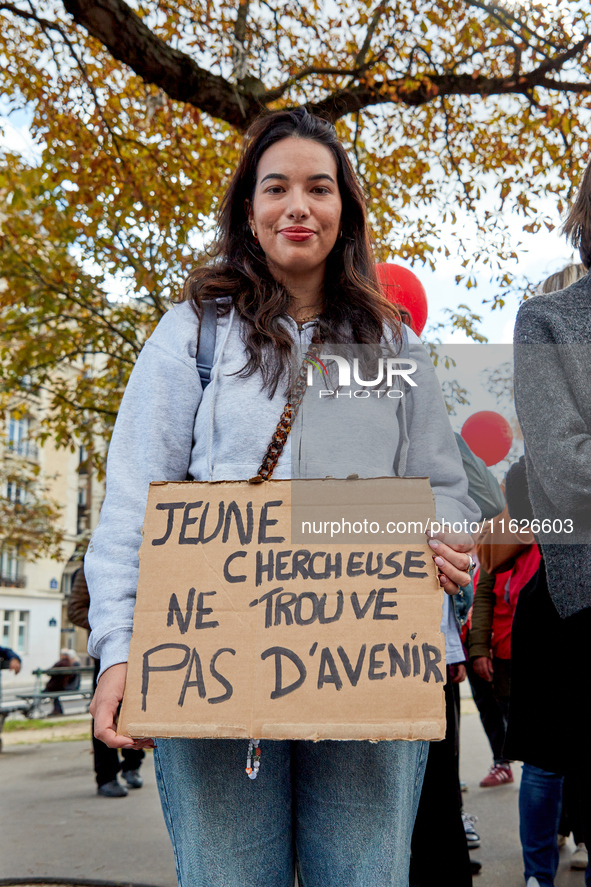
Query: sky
539	254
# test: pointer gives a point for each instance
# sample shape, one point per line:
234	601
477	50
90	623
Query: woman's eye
274	189
321	190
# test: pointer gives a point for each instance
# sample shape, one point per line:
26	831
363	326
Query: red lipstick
297	233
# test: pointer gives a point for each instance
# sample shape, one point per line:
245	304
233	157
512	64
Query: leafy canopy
139	112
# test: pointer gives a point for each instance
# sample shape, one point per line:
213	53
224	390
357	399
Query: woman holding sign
293	265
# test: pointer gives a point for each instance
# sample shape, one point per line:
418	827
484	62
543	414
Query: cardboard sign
240	633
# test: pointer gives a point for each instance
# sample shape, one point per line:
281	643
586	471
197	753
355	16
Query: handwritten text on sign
238	633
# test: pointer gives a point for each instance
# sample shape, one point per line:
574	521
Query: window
16	492
22	631
7	620
9	562
19	428
15	630
10	567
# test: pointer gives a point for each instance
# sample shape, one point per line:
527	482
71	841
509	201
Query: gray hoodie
168	428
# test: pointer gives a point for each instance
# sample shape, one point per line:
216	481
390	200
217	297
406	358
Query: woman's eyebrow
321	175
274	175
284	178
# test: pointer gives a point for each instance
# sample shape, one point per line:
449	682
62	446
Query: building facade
33	593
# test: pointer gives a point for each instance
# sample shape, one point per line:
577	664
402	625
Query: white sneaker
532	882
580	858
472	836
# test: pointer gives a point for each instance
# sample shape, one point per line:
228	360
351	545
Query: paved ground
52	824
496	808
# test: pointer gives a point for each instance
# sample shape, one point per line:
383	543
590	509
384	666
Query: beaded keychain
252	767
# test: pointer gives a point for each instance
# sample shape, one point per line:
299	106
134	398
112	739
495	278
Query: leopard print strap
290	411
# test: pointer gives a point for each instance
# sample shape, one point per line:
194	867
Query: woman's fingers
456	547
450	552
105	708
448	586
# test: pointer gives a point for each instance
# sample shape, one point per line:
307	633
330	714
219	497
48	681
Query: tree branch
30	16
452	158
78	407
240	26
558	61
420	92
362	54
271	95
129	40
47	26
501	14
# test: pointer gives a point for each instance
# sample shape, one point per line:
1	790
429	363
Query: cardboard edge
426	731
276	480
191	731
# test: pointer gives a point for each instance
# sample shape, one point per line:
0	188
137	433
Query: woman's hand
451	554
105	707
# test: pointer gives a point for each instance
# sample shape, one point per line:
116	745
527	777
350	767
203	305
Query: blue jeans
540	803
342	811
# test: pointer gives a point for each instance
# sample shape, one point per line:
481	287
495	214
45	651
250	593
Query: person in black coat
551	683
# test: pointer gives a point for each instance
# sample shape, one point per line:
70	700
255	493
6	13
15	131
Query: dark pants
439	849
493	710
550	686
571	820
106	760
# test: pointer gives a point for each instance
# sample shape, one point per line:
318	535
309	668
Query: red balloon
488	435
402	287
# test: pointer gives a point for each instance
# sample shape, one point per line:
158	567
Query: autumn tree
29	518
453	110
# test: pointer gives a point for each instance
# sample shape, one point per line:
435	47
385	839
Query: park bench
29	704
38	696
9	708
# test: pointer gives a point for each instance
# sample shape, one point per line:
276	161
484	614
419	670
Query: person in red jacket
490	646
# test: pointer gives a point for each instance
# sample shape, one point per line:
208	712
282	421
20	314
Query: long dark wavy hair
577	226
353	308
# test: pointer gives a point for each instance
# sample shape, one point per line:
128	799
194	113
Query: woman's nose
298	207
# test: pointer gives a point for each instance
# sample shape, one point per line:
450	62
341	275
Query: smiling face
296	211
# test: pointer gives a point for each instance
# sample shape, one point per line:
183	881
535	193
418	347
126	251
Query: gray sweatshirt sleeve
151	441
433	451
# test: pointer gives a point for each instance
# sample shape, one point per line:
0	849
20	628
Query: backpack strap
206	345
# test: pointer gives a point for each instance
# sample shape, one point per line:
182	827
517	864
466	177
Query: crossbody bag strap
284	426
